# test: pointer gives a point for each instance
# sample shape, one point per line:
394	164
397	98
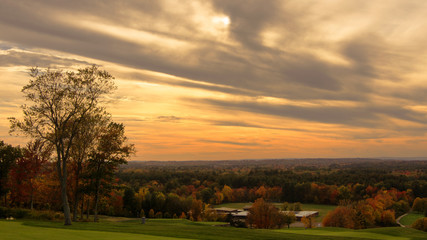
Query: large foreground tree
59	103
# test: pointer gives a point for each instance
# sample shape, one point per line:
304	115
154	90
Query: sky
241	79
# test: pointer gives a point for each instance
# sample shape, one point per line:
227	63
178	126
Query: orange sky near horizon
222	80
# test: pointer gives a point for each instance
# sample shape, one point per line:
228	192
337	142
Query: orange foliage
265	215
340	217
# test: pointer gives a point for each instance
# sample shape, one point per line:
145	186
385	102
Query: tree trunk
87	208
95	218
82	208
32	200
62	174
75	207
76	192
65	205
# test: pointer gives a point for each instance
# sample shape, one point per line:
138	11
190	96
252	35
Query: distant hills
279	163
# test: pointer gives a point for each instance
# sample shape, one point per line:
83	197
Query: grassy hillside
19	231
410	218
184	229
391	233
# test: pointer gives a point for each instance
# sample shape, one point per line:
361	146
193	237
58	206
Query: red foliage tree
25	176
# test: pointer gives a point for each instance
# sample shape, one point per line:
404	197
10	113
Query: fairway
18	231
386	233
156	229
410	218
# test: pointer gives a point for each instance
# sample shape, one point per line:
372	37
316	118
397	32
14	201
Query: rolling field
156	229
410	218
390	233
17	230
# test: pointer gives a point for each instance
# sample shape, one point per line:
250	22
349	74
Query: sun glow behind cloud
223	20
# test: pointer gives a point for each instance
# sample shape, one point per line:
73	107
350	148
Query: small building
226	211
247	207
239	219
300	214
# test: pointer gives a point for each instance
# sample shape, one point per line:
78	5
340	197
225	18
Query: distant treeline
312	163
293	175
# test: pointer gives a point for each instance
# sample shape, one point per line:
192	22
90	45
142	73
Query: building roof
240	214
303	213
226	209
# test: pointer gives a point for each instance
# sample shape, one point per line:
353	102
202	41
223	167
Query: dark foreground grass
389	233
183	229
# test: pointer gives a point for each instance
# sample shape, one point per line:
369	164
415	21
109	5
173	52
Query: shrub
159	215
4	212
19	212
44	215
419	205
151	213
420	224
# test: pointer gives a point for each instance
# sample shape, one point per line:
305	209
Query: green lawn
390	233
17	231
410	218
183	229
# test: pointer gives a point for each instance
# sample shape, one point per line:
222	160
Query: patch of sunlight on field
17	231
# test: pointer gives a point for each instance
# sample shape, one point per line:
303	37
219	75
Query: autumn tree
342	216
420	224
265	215
308	222
84	144
227	192
196	210
59	101
8	156
25	175
129	202
419	205
289	218
111	151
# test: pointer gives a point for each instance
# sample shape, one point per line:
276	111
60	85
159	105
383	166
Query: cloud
168	119
363	116
14	57
249	125
292	71
231	142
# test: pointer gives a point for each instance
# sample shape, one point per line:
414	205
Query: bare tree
60	101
